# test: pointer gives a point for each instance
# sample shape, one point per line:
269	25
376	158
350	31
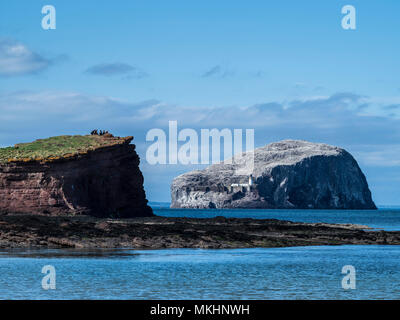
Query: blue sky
285	68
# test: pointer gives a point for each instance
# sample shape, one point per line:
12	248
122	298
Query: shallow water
276	273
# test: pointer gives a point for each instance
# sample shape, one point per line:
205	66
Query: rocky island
290	174
93	174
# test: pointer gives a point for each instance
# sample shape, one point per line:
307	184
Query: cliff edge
69	175
290	174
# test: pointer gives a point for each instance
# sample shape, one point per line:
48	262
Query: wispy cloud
217	71
211	72
392	107
338	119
385	156
259	74
17	59
115	69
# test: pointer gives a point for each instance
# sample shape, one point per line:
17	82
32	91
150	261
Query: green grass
55	148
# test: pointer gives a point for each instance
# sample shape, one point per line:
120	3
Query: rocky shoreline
38	231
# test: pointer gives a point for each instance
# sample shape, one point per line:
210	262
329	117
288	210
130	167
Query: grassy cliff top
59	147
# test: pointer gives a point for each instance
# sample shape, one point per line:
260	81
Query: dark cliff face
106	182
286	175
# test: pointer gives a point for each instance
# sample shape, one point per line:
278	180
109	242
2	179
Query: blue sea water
386	218
262	273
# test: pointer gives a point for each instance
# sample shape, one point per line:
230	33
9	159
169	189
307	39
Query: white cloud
16	59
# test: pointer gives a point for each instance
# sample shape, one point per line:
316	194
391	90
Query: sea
317	272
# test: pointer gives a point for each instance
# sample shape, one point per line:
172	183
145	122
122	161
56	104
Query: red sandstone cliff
105	182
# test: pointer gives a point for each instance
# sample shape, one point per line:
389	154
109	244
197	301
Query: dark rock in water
104	182
83	232
289	174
